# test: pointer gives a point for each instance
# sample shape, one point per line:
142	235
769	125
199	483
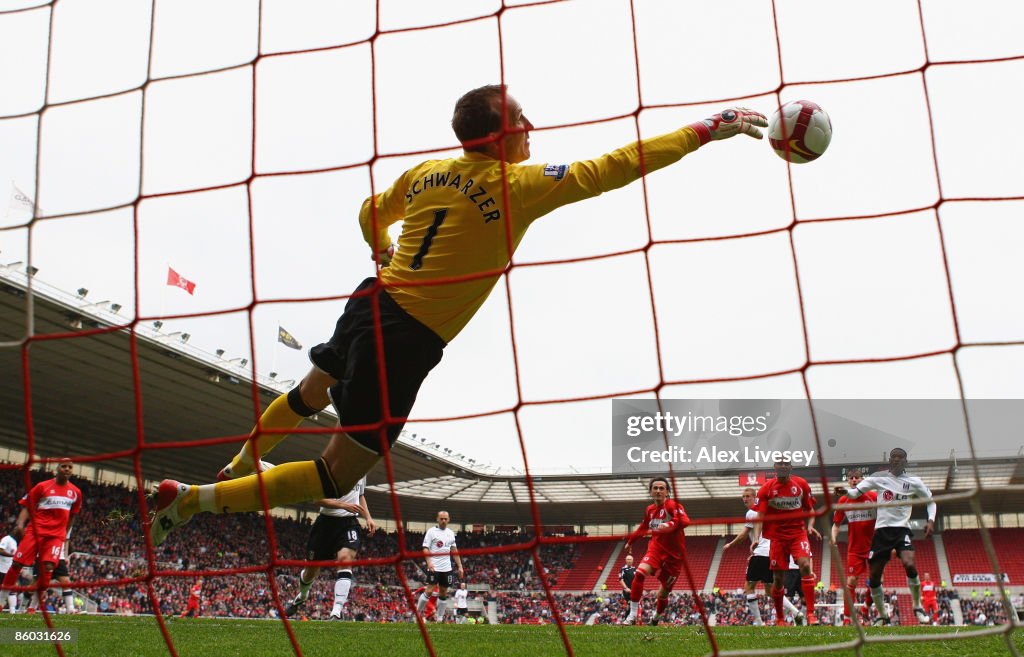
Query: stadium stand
585	570
966	554
732	570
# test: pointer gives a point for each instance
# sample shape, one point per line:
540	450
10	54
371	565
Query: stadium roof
82	395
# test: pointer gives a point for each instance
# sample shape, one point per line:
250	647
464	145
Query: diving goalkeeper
462	218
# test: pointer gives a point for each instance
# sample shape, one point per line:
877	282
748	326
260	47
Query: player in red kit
50	505
928	600
781	503
664	522
194	594
860	530
431	609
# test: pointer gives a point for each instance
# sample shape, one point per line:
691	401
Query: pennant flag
287	338
20	202
177	280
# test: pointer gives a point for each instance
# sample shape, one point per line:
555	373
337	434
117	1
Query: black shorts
759	570
331	533
60	571
461	611
441	579
411	350
792	581
886	540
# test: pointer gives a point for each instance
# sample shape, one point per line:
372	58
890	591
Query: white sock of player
421	604
915	591
634	607
12	602
342	585
69	600
34	604
441	604
879	598
755	609
304	586
789	606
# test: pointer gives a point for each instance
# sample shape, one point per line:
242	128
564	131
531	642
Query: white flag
20	202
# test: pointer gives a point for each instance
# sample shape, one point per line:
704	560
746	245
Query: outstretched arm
867	484
545	187
739	538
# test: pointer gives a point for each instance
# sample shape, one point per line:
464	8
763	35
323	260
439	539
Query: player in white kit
439	549
892	528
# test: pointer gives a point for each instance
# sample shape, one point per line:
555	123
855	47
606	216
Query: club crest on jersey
887	496
792	490
439	544
556	171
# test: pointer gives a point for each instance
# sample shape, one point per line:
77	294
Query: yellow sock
279	415
288	483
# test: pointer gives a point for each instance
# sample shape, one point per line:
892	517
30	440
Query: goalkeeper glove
730	122
383	257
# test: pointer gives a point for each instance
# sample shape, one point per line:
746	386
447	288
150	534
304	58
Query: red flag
756	479
177	280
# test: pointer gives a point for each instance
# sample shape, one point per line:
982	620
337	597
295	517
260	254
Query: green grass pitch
120	636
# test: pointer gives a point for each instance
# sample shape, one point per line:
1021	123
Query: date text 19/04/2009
713	454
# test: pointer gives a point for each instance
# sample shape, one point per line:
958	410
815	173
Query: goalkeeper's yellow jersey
454	220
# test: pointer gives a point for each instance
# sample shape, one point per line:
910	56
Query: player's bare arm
739	538
758	528
458	561
364	510
430	562
344	506
932	508
22	521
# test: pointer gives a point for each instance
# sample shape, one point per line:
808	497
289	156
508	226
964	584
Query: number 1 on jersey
417	260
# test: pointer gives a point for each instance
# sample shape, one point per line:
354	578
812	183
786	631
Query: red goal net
234	145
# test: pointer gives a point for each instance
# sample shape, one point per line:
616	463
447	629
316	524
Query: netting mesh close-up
242	140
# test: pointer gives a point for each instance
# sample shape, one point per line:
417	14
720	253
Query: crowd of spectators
986	609
108	545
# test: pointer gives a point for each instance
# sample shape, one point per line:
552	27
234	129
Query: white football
800	131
